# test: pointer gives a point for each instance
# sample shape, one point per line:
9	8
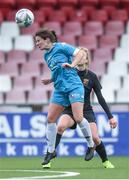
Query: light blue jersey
65	79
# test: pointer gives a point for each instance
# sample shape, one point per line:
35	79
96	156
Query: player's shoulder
91	73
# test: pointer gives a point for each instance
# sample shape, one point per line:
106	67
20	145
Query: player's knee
96	140
78	119
61	129
51	119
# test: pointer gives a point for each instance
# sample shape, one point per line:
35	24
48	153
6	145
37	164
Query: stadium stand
100	25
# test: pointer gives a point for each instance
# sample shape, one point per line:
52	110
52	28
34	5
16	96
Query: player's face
41	43
84	63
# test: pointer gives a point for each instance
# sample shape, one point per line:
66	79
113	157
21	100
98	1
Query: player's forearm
78	58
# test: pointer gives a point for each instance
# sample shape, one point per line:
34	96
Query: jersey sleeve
97	86
69	49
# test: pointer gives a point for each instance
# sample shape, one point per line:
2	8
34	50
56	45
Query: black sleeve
97	89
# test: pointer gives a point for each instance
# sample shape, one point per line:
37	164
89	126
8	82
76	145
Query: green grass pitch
9	168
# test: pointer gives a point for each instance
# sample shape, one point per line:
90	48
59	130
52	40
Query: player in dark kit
90	82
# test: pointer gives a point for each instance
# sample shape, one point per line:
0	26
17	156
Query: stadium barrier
23	134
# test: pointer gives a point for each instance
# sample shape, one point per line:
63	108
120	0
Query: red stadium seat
35	55
114	28
39	17
93	28
102	54
10	69
15	97
109	9
68	11
2	57
98	67
56	26
26	4
7	3
31	69
18	57
109	2
67	3
89	42
58	16
42	3
124	3
72	28
68	39
109	41
99	15
31	29
88	10
88	2
23	83
79	16
120	15
10	15
47	11
37	96
1	17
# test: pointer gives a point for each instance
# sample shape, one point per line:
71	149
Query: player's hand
46	81
113	123
67	65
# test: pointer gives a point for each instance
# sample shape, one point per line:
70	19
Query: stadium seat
1	17
15	97
98	67
10	29
93	28
24	43
117	68
102	54
37	97
39	17
1	99
10	15
30	69
31	29
78	15
59	16
109	9
72	28
127	28
88	10
120	15
67	39
87	41
121	54
108	95
7	3
27	4
10	69
108	41
99	15
23	83
124	41
2	57
67	3
126	82
36	55
56	26
88	2
16	56
114	28
42	3
5	83
68	11
107	81
122	96
47	11
109	2
124	3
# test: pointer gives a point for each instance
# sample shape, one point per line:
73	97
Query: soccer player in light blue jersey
68	88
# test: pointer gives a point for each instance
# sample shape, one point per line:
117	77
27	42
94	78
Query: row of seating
39	3
41	97
63	16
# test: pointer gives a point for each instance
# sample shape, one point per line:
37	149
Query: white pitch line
61	174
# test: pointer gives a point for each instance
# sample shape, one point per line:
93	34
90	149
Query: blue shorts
65	99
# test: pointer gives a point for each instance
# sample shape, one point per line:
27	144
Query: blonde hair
86	59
